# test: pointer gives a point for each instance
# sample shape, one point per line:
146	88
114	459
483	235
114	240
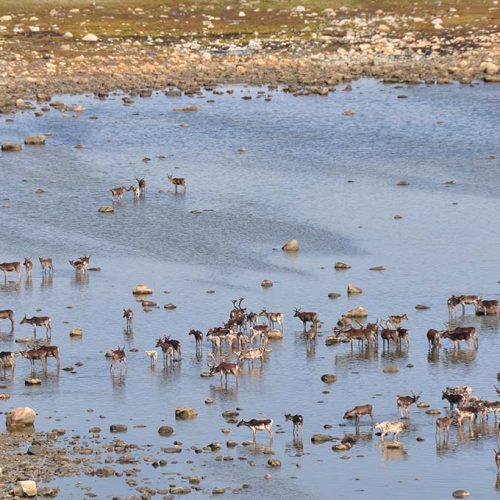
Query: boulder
117	428
460	494
184	413
142	289
76	332
331	340
90	37
35	140
25	489
20	417
352	289
329	378
321	438
106	209
165	430
170	306
193	107
357	312
341	265
10	146
290	246
32	381
489	68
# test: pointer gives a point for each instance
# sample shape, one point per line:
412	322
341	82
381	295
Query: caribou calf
443	426
128	314
118	356
28	266
35	355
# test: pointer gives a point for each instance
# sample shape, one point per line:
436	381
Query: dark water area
291	182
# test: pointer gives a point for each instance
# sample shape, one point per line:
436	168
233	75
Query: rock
231	443
35	140
331	340
460	494
489	68
423	404
266	283
403	183
68	35
35	449
329	378
184	413
433	411
32	381
230	414
275	335
179	490
421	307
95	430
377	268
357	312
142	289
341	266
148	303
398	217
169	306
342	447
117	428
10	146
193	107
352	289
76	332
321	438
25	489
333	295
4	396
391	369
348	112
90	37
267	476
218	491
274	462
291	246
106	209
40	191
393	445
165	430
20	417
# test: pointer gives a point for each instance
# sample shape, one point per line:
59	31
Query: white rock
299	9
241	14
34	29
20	417
68	34
90	37
25	489
6	18
437	20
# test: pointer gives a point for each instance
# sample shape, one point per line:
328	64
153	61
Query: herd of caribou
248	340
117	193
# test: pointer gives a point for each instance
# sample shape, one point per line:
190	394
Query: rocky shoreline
315	53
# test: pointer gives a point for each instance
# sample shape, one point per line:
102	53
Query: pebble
117	428
460	494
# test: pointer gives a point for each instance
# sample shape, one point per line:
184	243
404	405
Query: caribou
394	428
298	424
404	403
118	356
177	181
36	321
47	265
265	424
273	318
357	412
7	267
306	317
225	369
128	314
118	192
8	314
28	265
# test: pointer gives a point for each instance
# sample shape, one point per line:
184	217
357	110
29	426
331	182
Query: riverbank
53	48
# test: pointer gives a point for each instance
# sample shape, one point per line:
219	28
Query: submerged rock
184	413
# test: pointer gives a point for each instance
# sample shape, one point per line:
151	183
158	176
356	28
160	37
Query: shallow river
292	182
